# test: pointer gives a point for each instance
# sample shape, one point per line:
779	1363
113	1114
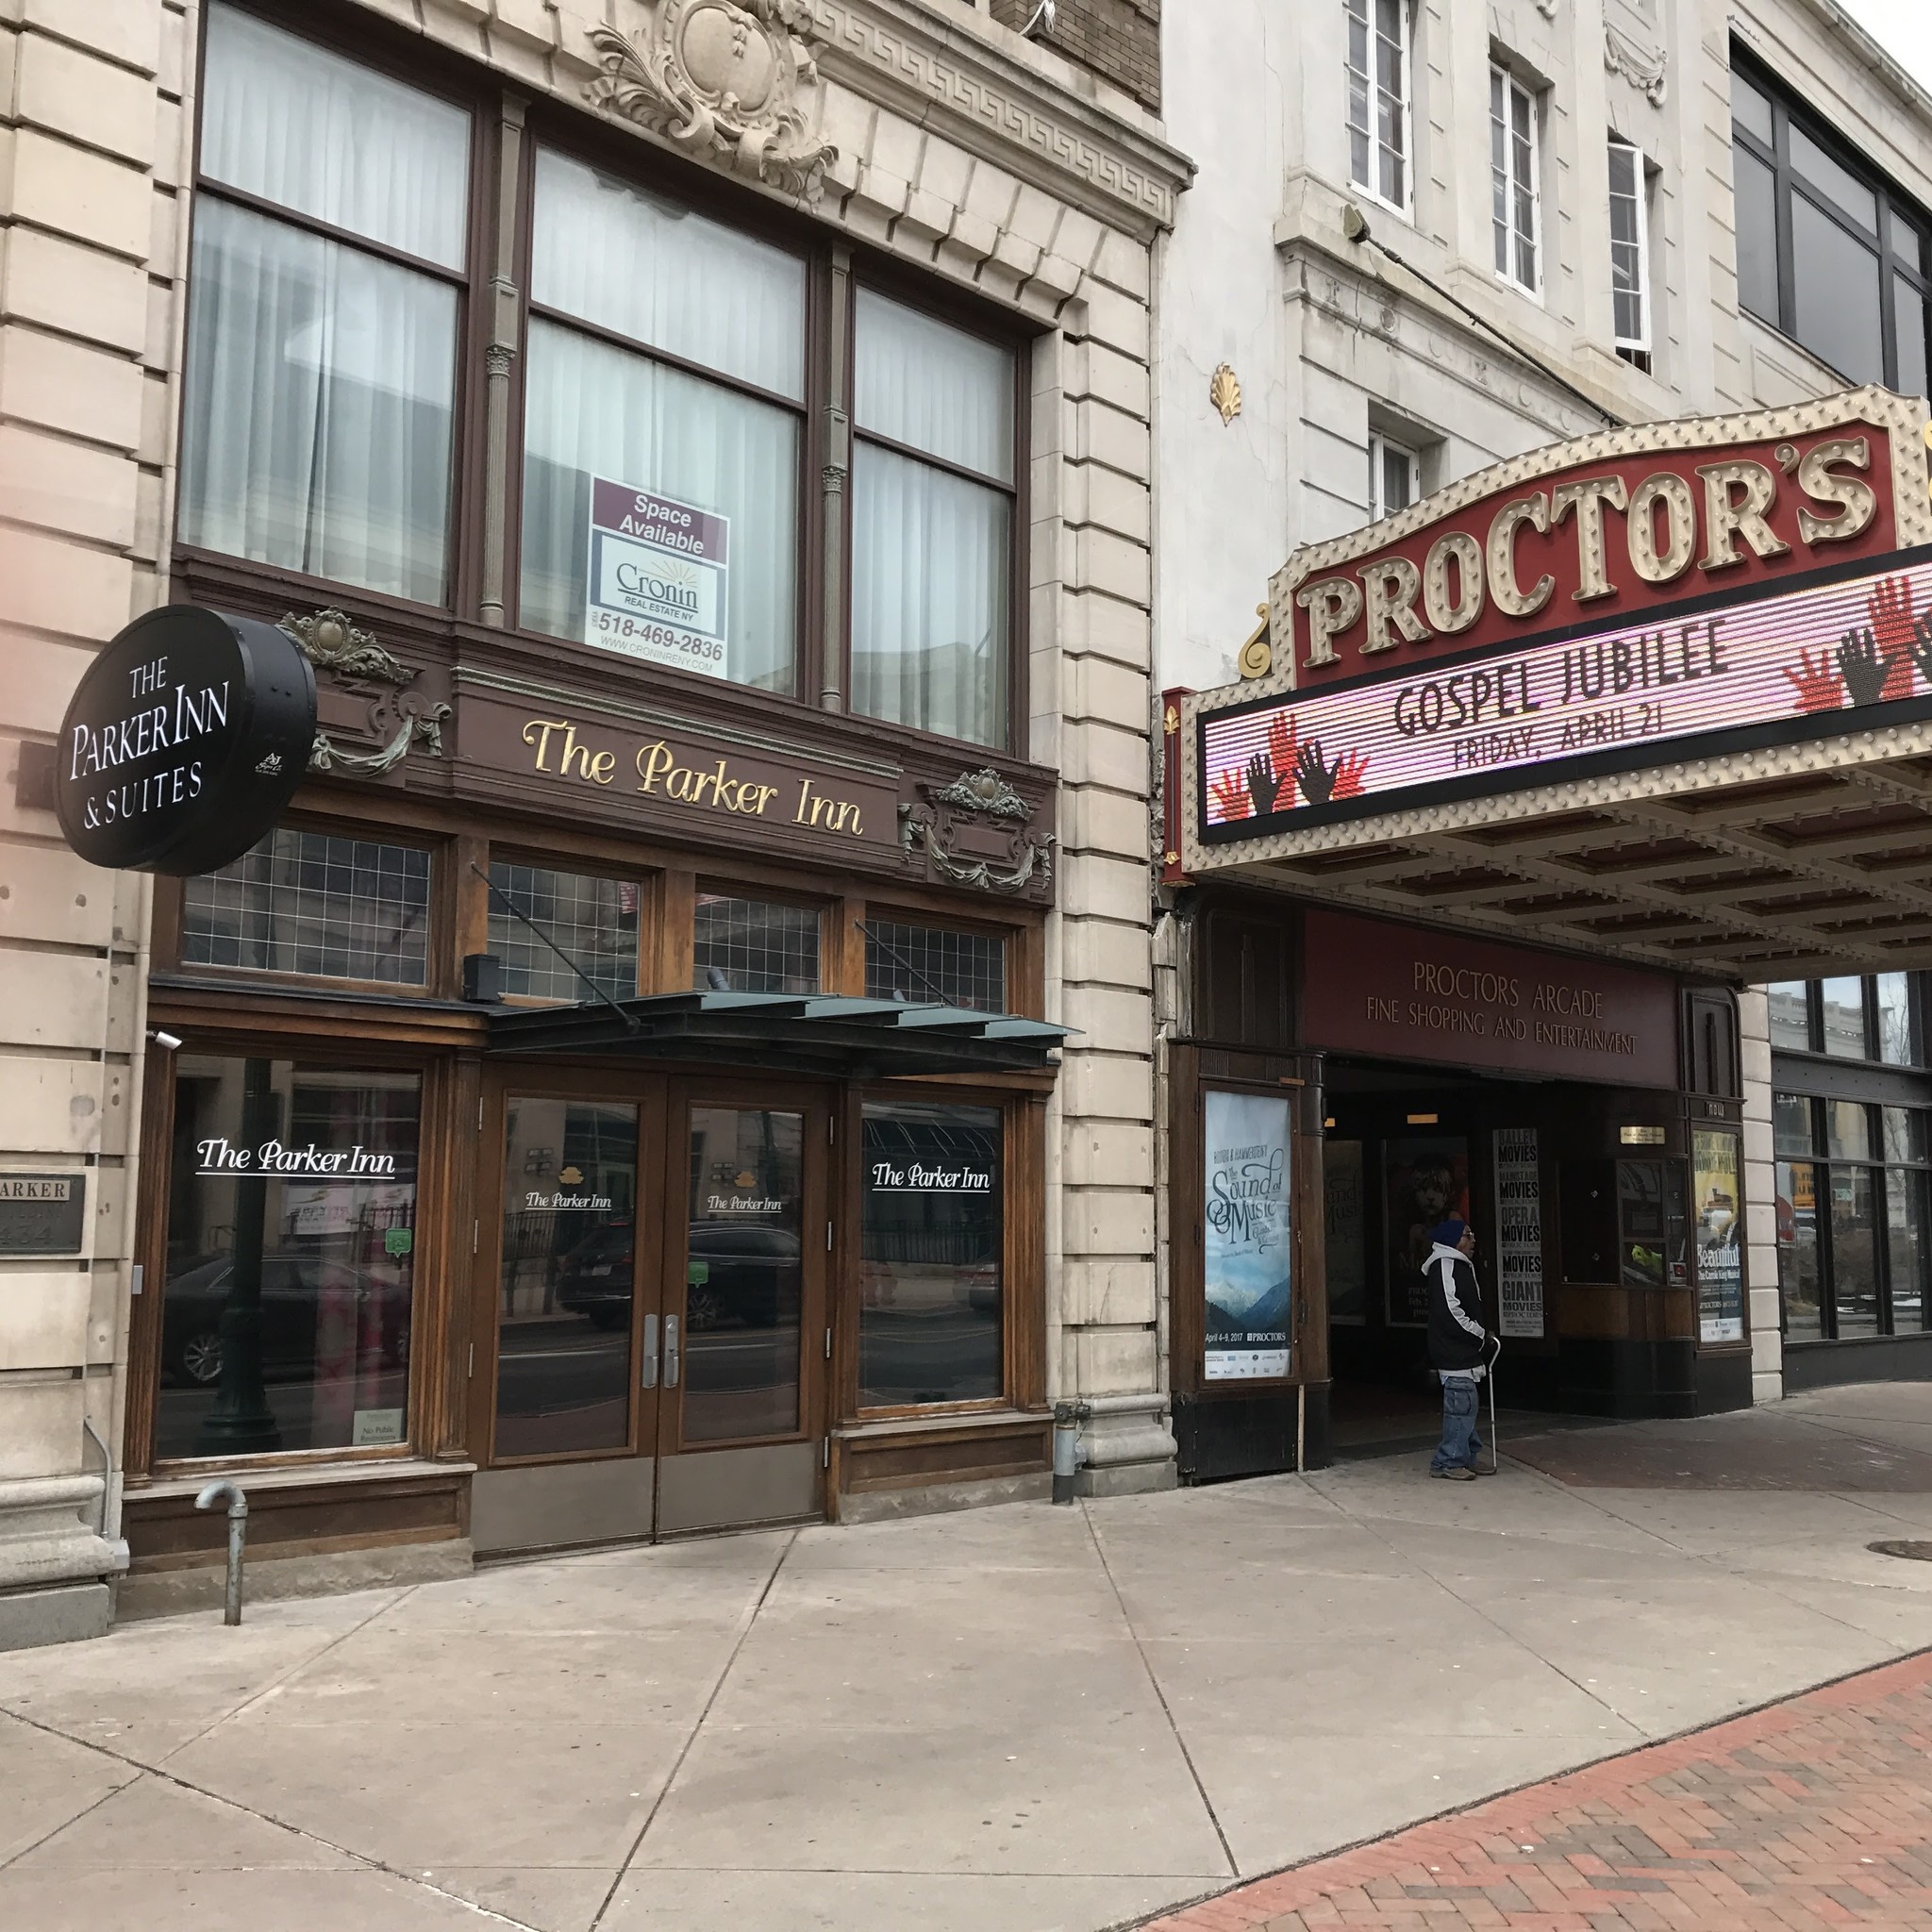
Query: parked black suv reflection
739	1274
302	1293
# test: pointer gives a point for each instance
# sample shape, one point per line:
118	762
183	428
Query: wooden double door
651	1307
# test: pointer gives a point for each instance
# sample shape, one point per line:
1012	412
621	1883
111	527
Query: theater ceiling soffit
1790	859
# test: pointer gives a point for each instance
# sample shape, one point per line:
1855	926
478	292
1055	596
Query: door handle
670	1351
650	1373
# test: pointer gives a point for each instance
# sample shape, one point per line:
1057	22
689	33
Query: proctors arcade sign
1639	598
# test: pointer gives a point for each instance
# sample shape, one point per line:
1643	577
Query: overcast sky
1904	27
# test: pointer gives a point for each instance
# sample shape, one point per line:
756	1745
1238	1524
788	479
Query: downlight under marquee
1664	690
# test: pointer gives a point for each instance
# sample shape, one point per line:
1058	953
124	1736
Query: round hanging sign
184	741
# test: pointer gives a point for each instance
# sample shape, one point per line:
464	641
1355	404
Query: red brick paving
1815	1813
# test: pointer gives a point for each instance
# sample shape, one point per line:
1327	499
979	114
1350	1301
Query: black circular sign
184	742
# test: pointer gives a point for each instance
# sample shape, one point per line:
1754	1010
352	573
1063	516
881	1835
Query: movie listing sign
1246	1228
659	578
1714	1160
1519	1232
1845	654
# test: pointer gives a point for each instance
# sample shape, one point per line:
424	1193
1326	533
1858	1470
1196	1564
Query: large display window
288	1296
932	1239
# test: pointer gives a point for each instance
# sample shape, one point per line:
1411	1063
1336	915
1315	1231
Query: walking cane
1495	1447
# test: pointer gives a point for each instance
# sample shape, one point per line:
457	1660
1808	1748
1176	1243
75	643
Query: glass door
745	1335
566	1370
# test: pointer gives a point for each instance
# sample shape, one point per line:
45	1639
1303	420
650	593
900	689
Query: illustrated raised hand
1263	786
1921	646
1817	685
1348	776
1282	752
1890	608
1230	797
1317	776
1866	673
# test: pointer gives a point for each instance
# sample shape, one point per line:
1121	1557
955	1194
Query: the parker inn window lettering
309	903
931	1277
287	1307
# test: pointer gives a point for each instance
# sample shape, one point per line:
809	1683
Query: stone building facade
1427	236
1013	191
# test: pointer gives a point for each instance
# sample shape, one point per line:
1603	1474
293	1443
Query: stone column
92	116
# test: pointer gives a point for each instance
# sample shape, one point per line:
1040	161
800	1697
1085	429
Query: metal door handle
670	1351
650	1374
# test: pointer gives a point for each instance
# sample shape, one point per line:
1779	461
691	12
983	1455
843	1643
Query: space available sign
1852	652
1245	1225
1519	1232
659	578
184	741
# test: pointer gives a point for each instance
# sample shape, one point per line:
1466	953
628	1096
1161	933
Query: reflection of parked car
594	1278
303	1294
738	1273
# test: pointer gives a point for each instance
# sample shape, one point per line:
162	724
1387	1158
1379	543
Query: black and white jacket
1458	1342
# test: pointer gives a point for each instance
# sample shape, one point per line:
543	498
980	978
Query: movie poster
1519	1233
1720	1248
1345	1202
1425	1181
1245	1230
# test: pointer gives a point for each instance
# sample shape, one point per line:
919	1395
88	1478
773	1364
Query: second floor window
1826	253
649	414
329	269
1395	477
1516	214
1630	252
1378	125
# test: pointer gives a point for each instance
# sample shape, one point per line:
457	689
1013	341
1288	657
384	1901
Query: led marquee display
1771	668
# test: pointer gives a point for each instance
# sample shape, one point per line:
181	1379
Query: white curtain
931	551
929	386
597	410
647	268
320	380
299	125
319	407
930	560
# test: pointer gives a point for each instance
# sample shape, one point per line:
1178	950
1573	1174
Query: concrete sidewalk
1018	1718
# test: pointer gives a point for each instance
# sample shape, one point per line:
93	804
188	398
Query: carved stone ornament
723	80
974	832
397	721
1646	69
1225	394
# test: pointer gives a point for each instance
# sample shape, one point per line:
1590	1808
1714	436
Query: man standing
1459	1347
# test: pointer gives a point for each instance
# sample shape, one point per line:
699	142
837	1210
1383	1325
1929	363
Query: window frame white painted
1381	448
1372	83
1644	342
1504	173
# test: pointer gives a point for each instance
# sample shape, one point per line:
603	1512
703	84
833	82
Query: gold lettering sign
663	772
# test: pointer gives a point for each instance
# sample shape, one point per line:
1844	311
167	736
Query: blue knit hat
1448	1234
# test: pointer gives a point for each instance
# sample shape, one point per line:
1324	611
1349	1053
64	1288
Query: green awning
792	1033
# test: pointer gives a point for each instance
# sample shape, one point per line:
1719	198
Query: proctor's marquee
1662	694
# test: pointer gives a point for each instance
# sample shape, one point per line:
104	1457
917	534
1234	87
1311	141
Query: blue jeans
1459	1440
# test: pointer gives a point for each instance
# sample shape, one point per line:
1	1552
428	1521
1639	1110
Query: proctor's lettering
1670	523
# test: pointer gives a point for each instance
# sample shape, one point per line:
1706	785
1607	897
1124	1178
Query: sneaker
1455	1473
1482	1469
